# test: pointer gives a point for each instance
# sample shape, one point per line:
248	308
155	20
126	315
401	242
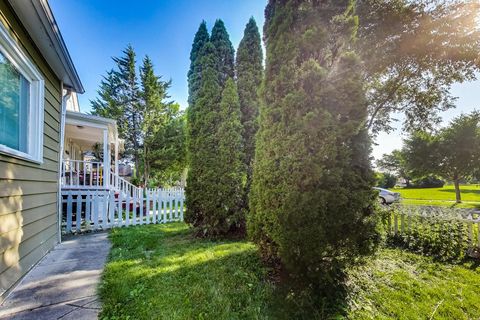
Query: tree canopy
451	153
139	104
395	163
412	52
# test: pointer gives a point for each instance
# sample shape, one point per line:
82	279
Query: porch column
116	162
106	159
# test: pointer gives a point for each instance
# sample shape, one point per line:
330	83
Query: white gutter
60	160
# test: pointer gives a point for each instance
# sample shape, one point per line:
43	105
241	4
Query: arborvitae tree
230	170
216	171
202	189
224	52
312	199
249	72
194	80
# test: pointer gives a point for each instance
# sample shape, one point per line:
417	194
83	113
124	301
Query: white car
386	196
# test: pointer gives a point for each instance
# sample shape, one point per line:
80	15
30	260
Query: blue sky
95	31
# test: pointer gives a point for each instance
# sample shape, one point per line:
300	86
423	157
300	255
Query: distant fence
89	210
446	233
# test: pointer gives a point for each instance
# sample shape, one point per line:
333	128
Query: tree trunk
456	182
146	168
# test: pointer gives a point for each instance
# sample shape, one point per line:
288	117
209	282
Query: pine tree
107	103
199	41
312	198
120	100
157	112
152	127
224	52
230	169
249	72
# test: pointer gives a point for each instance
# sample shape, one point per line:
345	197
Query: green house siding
28	191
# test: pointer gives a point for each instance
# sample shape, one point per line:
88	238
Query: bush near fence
444	233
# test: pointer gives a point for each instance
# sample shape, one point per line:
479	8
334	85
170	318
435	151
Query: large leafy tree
249	72
412	52
395	163
312	198
451	153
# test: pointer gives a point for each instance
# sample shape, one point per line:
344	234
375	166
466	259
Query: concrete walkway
64	284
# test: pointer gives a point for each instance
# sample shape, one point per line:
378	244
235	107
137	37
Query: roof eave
38	19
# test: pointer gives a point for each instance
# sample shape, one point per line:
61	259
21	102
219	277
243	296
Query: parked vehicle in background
386	196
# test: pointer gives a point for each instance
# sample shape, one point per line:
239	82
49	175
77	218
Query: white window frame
12	51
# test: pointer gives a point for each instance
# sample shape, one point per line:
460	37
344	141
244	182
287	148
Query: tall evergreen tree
216	175
108	105
230	172
249	72
199	41
312	199
157	112
224	52
203	117
143	114
119	99
129	97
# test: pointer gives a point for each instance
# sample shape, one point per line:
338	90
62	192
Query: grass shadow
159	272
463	190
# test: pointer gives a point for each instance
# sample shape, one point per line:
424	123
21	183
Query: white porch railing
79	174
85	210
123	186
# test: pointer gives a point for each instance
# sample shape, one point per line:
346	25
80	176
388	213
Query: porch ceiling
86	130
84	136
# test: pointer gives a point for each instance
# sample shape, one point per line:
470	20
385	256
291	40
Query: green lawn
162	272
402	285
441	196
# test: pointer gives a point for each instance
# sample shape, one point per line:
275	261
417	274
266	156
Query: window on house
21	102
14	101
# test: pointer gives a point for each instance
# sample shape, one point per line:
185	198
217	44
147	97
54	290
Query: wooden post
106	159
116	162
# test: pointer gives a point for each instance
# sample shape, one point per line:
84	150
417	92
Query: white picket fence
90	210
440	224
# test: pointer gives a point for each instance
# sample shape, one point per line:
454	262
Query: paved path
64	284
